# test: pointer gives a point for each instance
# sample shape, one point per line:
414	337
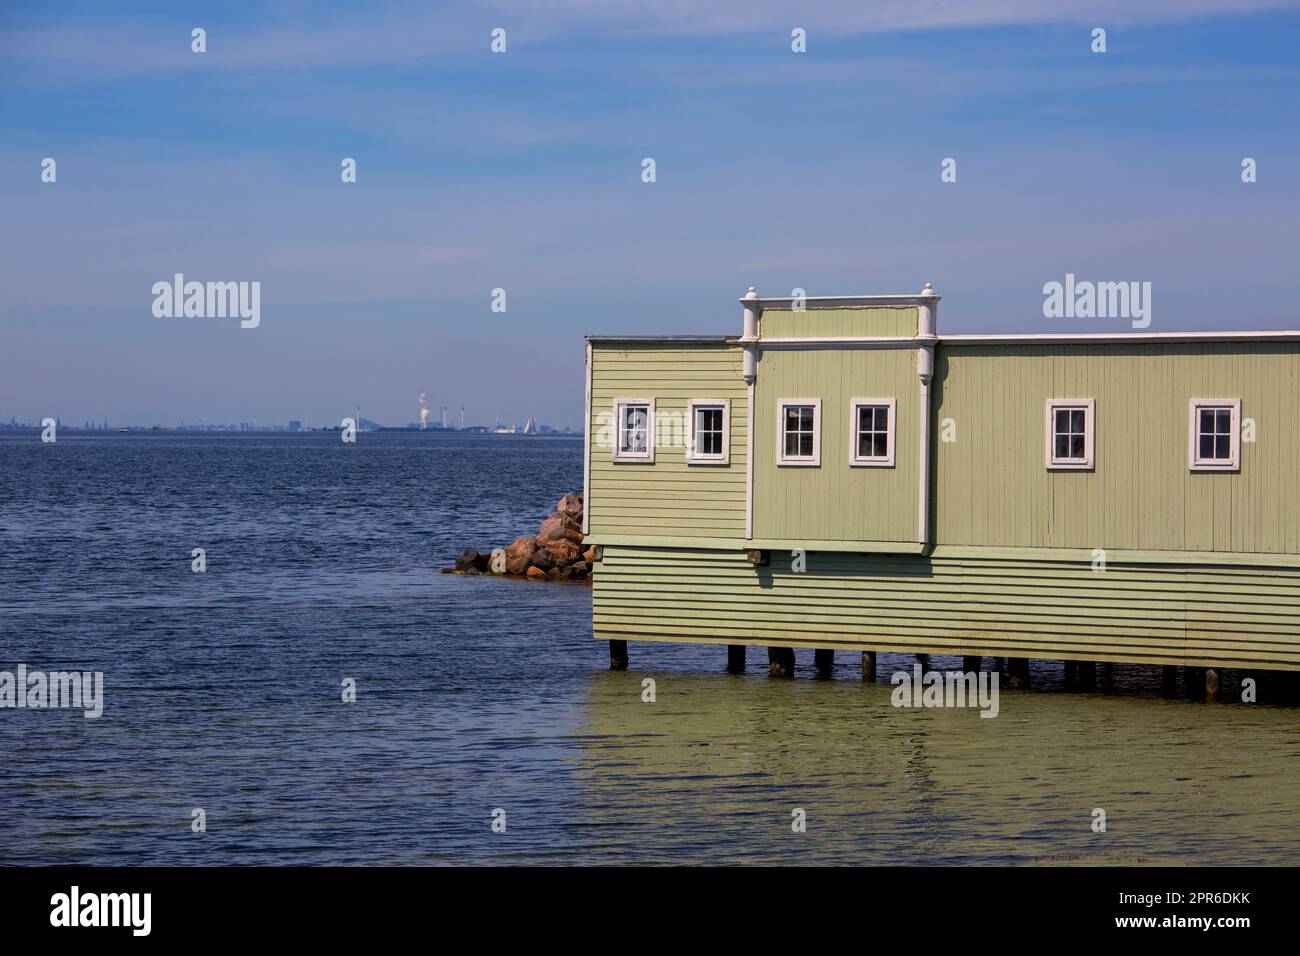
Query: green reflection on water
712	770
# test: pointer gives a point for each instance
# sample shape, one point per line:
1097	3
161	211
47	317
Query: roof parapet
837	301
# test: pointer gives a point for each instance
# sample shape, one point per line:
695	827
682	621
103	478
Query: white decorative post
927	324
749	338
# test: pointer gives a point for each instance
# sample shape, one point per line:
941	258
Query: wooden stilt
1169	680
1211	684
970	663
824	662
618	655
780	662
1087	675
735	658
1019	671
1071	673
1194	681
924	661
869	666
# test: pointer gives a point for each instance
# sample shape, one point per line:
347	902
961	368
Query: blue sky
522	171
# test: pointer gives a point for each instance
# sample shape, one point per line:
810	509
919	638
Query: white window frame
872	461
781	458
1089	459
697	458
648	456
1194	460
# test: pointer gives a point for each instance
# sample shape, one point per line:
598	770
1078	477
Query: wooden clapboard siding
834	501
875	322
1154	613
991	487
668	496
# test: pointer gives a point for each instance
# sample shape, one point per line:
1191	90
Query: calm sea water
224	693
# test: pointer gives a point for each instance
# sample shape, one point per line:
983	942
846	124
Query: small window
634	419
708	431
798	435
871	432
1214	442
1071	434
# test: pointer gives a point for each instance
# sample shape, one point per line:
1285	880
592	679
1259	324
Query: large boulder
559	525
520	553
541	559
570	505
472	562
535	573
563	551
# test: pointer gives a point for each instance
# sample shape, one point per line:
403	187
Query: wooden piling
1194	681
735	658
924	661
1071	674
1169	680
824	662
780	662
618	655
1087	671
869	666
1018	668
970	663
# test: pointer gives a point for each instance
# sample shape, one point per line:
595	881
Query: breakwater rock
554	553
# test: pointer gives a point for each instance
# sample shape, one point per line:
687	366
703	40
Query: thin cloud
402	33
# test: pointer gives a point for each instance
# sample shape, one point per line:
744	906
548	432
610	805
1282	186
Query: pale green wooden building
1119	497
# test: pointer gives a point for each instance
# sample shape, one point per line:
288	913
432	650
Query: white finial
928	290
751	294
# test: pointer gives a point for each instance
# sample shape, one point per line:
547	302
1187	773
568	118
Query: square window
798	431
1214	442
708	427
1070	434
871	432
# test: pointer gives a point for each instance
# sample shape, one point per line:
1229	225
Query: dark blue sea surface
224	692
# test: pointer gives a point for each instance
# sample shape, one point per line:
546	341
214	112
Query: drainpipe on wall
927	325
749	340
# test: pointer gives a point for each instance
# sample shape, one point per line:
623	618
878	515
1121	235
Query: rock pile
555	553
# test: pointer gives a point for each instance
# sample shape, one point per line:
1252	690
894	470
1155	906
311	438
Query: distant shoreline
159	430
